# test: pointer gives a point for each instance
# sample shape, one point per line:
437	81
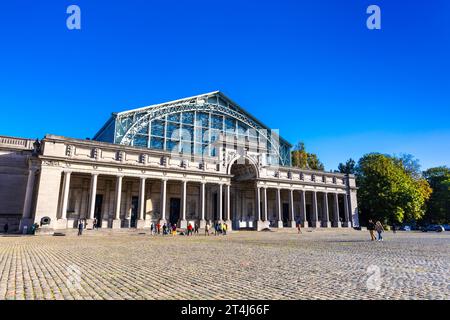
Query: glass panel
187	133
158	128
215	135
230	124
173	131
172	146
213	152
217	122
187	147
188	117
202	119
242	128
175	117
143	130
157	143
140	141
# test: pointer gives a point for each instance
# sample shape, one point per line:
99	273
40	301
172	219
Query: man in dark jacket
371	228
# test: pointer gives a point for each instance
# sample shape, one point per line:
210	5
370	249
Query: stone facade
122	186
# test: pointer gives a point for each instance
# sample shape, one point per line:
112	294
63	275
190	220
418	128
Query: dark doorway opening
98	209
308	213
134	212
285	214
215	207
175	205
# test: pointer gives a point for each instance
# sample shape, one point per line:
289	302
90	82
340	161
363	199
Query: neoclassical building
199	159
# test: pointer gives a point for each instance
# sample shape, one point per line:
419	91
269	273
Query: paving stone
331	264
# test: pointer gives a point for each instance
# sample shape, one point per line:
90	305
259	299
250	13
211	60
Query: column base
105	224
280	224
305	224
229	225
326	224
261	225
116	224
183	224
346	224
25	222
337	224
90	224
293	224
60	224
140	224
316	224
202	224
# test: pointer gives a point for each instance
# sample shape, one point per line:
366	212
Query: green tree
438	206
387	191
347	167
304	160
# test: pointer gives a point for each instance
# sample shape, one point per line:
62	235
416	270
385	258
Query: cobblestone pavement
243	265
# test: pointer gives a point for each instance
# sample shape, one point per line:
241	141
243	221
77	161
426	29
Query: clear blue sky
310	68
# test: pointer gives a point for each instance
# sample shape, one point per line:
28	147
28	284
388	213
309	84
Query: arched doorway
243	194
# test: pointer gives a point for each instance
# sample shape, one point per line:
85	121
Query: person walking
299	229
379	228
174	229
80	227
158	228
189	229
6	228
394	228
164	229
207	229
95	225
196	227
152	227
371	228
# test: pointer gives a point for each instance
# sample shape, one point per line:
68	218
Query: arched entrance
243	194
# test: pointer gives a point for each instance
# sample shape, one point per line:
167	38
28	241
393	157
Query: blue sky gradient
310	68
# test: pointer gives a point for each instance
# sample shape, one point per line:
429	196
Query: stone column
258	203
129	204
141	221
336	221
26	219
346	212
107	205
291	208
163	201
93	193
280	220
66	190
220	196
116	223
26	212
265	203
326	215
183	221
303	219
228	207
202	204
315	217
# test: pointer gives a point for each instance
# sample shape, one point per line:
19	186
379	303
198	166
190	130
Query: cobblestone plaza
318	264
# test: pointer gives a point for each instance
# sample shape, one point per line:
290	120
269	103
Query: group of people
378	227
168	228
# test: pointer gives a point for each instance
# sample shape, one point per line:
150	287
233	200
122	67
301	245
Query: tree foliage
305	160
388	191
438	206
347	167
